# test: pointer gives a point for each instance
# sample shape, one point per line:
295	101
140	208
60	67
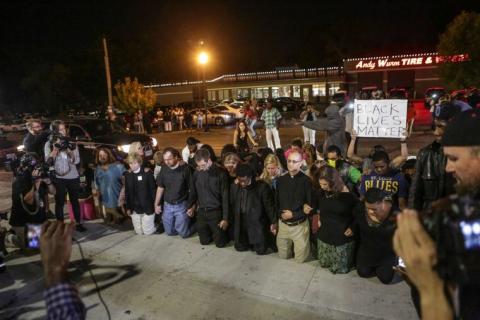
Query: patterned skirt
338	259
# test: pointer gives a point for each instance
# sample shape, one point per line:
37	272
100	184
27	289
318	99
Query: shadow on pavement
28	298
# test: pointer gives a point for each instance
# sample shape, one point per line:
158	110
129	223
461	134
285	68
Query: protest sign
380	118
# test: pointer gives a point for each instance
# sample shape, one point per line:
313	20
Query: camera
454	225
26	164
44	171
62	143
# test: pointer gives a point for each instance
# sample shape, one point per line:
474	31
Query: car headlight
228	116
154	142
124	148
20	147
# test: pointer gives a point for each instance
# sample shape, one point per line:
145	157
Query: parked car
459	95
368	92
340	97
91	133
286	104
231	108
434	93
13	126
398	93
218	116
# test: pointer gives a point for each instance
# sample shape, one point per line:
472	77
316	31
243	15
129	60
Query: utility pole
107	72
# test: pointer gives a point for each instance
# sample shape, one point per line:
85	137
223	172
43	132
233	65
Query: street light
203	60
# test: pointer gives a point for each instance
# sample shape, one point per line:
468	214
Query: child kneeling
140	191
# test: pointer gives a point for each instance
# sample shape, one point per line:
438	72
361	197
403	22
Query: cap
463	130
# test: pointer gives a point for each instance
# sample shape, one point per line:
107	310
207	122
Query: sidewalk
161	277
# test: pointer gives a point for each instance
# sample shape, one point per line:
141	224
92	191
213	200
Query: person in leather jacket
430	181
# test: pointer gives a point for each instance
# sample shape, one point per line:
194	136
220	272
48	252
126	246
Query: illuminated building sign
401	61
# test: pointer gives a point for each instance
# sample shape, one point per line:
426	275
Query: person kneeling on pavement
374	228
108	184
30	190
140	196
253	205
209	194
294	191
174	182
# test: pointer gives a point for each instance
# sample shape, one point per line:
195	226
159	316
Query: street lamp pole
202	60
204	98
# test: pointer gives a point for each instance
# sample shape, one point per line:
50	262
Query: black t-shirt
86	179
336	215
23	213
374	243
176	183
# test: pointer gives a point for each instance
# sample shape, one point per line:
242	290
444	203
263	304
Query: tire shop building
414	72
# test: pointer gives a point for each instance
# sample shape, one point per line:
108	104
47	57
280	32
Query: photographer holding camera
63	155
30	190
442	257
34	140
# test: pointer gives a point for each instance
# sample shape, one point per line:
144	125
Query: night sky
59	43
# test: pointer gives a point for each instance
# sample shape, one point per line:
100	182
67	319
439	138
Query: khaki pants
112	215
296	237
143	223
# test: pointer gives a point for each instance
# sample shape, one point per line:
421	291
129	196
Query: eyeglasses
294	161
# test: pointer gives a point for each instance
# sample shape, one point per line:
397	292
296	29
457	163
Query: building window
332	88
260	93
211	95
283	91
296	91
318	90
241	93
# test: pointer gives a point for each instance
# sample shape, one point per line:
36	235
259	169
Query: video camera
454	225
62	143
28	163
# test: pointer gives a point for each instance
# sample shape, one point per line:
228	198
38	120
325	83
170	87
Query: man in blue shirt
108	181
387	179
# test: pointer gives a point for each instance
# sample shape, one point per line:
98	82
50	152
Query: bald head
294	162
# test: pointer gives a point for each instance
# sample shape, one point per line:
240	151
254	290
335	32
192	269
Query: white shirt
186	152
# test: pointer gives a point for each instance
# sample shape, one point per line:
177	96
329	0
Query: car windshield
338	96
102	128
220	108
397	93
438	92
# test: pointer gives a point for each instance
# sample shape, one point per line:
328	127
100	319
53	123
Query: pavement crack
309	282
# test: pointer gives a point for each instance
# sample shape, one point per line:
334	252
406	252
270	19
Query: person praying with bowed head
210	195
374	229
293	192
254	213
335	205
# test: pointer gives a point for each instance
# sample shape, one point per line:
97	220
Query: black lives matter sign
380	118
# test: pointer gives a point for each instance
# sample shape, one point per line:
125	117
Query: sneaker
80	228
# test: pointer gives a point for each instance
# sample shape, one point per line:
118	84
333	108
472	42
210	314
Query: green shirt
271	117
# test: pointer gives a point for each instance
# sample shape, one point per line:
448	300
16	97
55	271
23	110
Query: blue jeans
175	219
